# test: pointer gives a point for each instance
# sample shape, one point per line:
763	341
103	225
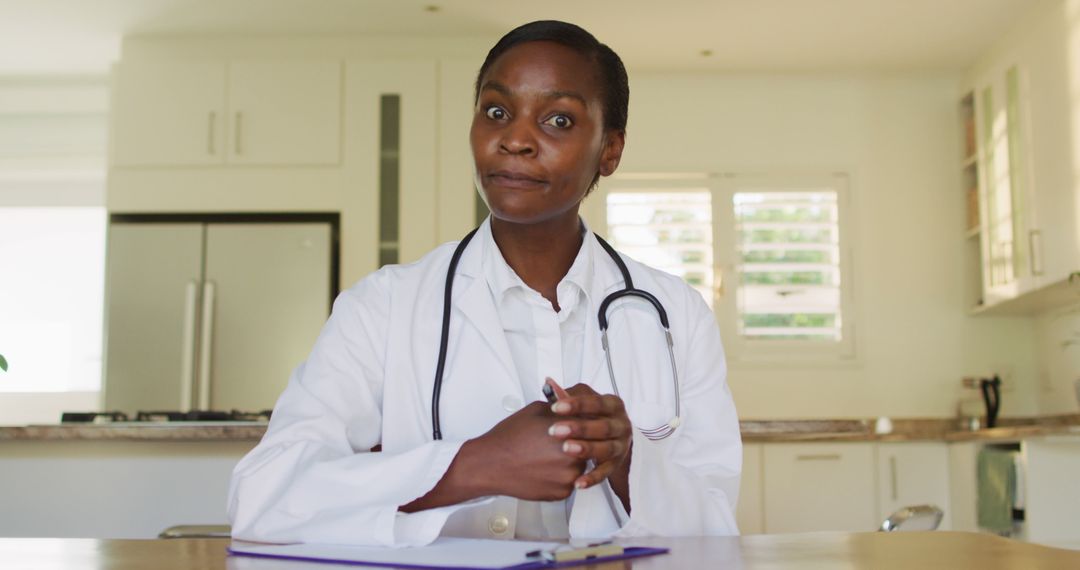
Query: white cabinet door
913	474
285	112
267	296
169	113
819	486
749	513
152	275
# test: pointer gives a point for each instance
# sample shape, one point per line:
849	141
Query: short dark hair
615	88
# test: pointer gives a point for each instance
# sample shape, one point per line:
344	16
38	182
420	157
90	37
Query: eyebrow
506	92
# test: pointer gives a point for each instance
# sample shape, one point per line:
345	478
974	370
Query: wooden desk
879	551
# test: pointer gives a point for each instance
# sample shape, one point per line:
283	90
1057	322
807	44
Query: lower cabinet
915	473
807	487
819	486
749	513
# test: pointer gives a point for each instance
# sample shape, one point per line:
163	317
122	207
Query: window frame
741	351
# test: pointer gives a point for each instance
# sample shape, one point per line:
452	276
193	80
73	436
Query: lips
515	179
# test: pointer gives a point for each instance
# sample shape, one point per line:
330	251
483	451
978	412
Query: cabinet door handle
206	345
892	477
210	128
236	133
187	351
1035	249
818	457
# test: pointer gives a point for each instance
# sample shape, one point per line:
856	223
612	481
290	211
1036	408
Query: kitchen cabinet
211	315
913	473
1004	244
169	113
819	486
1024	248
749	514
1051	500
240	113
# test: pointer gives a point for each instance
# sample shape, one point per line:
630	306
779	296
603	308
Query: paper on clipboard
445	552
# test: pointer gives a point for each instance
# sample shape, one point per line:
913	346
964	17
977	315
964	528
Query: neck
542	253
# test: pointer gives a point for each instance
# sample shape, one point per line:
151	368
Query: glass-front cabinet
1002	242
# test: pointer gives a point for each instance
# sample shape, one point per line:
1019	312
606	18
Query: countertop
879	551
753	431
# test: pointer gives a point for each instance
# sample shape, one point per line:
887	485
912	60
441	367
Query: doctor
501	462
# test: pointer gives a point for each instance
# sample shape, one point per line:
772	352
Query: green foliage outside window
815	320
785	278
786	256
822	235
773	214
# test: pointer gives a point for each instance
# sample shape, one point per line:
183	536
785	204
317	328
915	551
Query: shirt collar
501	277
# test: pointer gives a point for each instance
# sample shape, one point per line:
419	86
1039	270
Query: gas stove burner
92	417
166	416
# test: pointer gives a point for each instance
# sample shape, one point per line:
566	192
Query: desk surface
880	551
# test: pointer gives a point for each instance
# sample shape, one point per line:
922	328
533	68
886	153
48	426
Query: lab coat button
498	524
511	403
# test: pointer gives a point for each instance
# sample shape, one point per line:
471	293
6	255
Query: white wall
897	138
113	489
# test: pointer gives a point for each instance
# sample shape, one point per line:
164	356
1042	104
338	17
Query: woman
550	119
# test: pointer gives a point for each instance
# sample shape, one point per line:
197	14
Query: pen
552	391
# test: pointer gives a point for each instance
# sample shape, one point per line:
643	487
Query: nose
518	138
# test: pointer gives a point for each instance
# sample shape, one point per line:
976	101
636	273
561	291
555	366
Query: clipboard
451	553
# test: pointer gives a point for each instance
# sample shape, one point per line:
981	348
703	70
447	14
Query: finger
593	429
560	392
597	475
591	405
580	390
598	451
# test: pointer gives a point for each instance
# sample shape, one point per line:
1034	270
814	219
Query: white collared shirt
543	343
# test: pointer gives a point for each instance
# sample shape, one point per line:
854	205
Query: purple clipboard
628	553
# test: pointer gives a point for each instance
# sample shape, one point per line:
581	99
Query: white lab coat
369	380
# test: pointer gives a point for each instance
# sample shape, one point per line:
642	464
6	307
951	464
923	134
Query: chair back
197	531
918	517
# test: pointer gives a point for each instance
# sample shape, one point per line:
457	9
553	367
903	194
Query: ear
611	155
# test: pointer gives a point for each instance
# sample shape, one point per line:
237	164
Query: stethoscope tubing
657	433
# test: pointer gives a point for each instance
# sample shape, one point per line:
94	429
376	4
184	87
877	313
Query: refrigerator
212	315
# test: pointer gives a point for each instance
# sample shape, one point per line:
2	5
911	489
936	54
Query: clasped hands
541	452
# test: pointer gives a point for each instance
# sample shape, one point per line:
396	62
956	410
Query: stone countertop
138	431
753	431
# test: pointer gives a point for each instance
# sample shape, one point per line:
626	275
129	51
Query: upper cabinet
204	113
1000	228
1019	171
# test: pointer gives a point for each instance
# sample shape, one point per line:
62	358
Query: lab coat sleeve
312	477
688	484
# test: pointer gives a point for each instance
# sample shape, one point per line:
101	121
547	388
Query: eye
560	121
495	112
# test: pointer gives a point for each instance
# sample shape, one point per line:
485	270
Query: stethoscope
657	433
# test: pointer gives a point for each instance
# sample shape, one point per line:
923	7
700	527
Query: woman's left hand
595	426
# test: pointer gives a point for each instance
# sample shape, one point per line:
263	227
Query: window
671	231
52	239
51	298
788	265
767	252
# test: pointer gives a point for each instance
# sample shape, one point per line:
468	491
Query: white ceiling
64	36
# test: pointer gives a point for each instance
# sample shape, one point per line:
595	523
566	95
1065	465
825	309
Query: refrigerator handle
187	350
206	344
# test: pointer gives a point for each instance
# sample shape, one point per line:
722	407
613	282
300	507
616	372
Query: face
537	135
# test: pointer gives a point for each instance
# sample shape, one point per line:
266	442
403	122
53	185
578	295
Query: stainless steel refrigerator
204	314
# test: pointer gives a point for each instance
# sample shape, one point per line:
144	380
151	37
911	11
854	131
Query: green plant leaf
3	363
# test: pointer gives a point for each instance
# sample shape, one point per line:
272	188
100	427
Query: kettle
991	393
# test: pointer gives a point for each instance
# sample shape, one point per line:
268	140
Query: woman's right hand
519	458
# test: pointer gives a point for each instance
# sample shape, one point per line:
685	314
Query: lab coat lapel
476	306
